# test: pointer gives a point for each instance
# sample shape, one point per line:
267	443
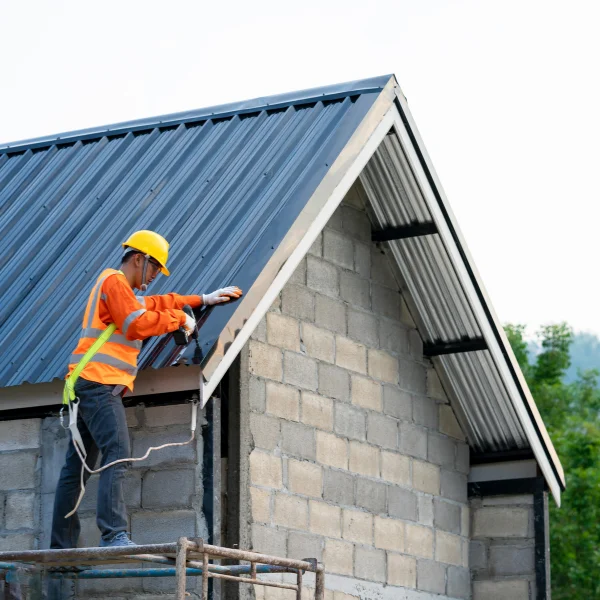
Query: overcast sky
506	95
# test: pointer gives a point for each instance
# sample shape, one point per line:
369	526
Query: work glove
222	295
189	325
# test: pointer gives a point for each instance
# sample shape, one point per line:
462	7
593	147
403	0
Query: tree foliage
571	412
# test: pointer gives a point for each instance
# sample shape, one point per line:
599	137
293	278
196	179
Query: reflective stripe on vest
105	359
93	333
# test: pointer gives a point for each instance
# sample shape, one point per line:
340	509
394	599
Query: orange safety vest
115	363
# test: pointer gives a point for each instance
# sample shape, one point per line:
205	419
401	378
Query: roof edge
330	92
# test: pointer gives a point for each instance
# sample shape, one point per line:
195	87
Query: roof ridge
331	92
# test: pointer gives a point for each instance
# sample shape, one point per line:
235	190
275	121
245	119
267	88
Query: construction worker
101	416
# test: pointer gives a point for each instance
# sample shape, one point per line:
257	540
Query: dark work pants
103	428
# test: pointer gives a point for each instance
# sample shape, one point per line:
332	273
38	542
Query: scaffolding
183	559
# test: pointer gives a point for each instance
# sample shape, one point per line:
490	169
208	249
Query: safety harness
71	401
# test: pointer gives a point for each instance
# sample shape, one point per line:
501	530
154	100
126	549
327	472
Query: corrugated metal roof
443	309
222	185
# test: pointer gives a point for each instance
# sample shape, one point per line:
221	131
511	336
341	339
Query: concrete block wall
354	454
164	494
502	552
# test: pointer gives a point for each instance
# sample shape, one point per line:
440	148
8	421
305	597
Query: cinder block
266	361
366	393
304	545
349	421
332	450
283	331
371	495
356	223
381	272
338	249
415	343
300	370
355	290
257	394
305	478
395	468
338	487
425	412
425	509
363	327
523	499
299	302
426	477
132	490
459	583
165	489
364	459
431	576
334	382
290	511
454	486
55	441
339	557
383	366
299	275
413	440
161	527
266	431
323	277
500	522
369	564
435	390
330	314
350	355
477	555
283	401
335	221
325	519
382	431
464	521
393	337
265	470
389	534
17	541
419	541
261	505
512	560
19	510
397	403
447	516
298	440
402	570
357	526
362	259
441	450
448	423
317	246
18	470
260	333
402	503
317	411
501	590
448	548
412	376
318	342
386	302
162	416
20	434
463	460
269	540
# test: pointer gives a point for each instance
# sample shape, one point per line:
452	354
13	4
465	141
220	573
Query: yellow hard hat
153	245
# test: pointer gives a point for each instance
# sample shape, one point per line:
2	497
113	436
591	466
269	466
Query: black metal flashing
483	458
542	545
454	347
404	232
507	487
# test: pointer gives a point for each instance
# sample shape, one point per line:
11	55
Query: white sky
506	95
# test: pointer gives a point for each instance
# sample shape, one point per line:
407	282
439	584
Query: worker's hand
222	295
189	325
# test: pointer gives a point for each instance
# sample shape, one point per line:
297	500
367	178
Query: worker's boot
120	539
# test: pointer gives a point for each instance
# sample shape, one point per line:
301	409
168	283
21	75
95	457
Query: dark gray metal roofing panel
224	191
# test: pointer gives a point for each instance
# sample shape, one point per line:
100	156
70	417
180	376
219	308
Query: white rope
84	466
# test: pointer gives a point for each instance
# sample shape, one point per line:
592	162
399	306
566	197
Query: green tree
571	412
